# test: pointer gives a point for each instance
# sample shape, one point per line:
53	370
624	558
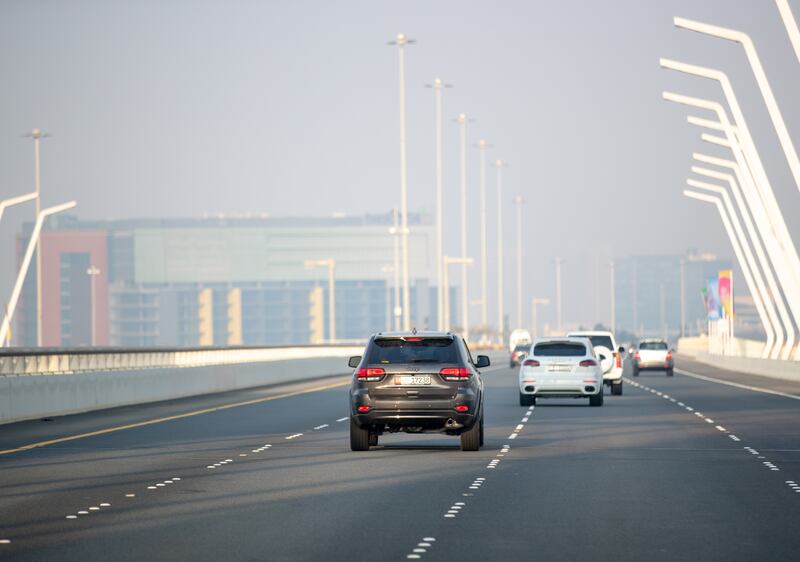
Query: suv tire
471	439
636	371
616	389
670	372
359	438
373	439
597	399
527	399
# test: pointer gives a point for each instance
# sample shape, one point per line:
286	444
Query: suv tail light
637	357
619	359
531	363
455	373
669	355
588	363
370	374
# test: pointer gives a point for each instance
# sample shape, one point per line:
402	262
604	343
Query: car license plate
559	368
415	380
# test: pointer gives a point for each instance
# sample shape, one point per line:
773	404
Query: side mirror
621	349
354	361
483	361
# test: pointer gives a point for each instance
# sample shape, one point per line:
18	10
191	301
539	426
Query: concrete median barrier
33	395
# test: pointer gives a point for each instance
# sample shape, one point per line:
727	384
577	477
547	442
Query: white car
653	354
610	356
561	368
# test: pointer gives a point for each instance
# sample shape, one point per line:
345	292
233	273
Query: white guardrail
55	382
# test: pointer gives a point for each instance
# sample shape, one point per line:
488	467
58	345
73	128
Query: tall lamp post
331	265
26	262
482	146
37	135
462	126
613	299
448	261
499	164
401	41
438	86
388	269
536	301
93	272
397	311
519	201
558	296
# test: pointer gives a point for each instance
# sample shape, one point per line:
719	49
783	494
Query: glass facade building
224	281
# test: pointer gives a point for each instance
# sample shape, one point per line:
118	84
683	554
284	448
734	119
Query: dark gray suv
424	382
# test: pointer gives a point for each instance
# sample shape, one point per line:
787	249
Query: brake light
462	408
531	363
588	363
619	359
412	339
636	356
669	355
370	374
363	409
454	373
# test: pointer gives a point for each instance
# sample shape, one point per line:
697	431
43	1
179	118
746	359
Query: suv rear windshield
524	347
601	341
388	351
560	349
653	345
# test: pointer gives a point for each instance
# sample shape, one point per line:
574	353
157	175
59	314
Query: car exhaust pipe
529	388
589	389
452	424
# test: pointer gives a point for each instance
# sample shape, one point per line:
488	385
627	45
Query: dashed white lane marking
323	426
5	541
130	495
342	419
737	385
295	436
766	463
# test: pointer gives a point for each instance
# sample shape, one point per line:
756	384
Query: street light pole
397	311
437	86
482	146
37	134
500	309
558	296
613	300
401	41
26	262
519	201
683	297
331	265
93	272
462	122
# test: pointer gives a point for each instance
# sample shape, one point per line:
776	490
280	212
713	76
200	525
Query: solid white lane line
738	385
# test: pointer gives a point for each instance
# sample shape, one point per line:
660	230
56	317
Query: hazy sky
180	108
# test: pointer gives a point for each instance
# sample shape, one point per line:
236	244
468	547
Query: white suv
605	347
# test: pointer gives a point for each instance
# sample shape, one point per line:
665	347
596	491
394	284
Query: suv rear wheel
597	399
359	438
471	439
616	388
527	399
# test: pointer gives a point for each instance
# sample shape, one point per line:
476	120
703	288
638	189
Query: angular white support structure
763	85
791	25
771	225
10	202
753	279
26	262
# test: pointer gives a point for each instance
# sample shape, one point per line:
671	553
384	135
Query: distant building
221	280
648	293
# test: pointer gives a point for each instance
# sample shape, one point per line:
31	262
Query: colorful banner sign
725	288
712	299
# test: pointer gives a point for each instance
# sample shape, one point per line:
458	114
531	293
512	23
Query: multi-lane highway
683	468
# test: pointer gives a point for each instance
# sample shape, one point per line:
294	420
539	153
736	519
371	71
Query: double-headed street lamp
499	165
331	265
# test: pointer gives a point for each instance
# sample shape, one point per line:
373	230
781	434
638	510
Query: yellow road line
169	418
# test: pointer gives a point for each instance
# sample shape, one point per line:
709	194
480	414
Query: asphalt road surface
680	468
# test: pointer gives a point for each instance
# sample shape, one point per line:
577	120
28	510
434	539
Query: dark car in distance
416	382
519	354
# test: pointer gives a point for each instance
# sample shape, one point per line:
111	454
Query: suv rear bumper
614	375
419	420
